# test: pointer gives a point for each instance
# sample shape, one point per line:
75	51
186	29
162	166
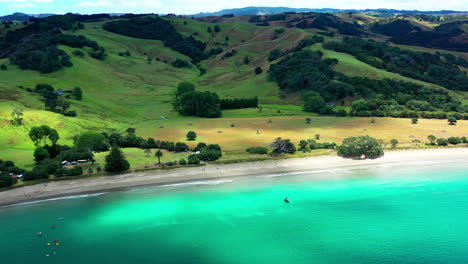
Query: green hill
121	91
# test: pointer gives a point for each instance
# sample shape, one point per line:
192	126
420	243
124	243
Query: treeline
391	108
190	102
54	100
157	28
325	21
417	65
34	46
397	27
306	71
239	103
446	36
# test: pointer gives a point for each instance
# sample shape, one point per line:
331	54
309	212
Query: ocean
415	212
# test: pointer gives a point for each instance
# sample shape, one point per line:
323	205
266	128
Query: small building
59	92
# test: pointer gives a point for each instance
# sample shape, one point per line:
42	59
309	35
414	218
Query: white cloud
22	5
125	5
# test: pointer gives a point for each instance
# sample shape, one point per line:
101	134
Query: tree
148	152
303	144
92	141
452	120
442	142
246	60
209	30
78	93
414	121
41	154
313	102
360	147
431	138
394	142
184	87
193	160
115	161
308	120
454	140
283	146
17	116
258	70
201	104
217	28
191	135
317	137
131	130
3	67
42	133
158	155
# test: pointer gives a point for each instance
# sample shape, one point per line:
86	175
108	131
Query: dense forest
154	27
450	36
307	71
35	45
418	65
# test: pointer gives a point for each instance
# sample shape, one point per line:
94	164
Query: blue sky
195	6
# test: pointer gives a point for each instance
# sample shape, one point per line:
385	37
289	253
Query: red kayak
53	227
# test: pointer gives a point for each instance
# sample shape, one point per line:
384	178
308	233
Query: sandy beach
210	172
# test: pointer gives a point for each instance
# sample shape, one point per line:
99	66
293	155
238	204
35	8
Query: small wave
215	182
303	173
61	198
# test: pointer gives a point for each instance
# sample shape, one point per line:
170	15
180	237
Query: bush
454	140
41	154
77	170
193	160
182	162
258	70
360	147
78	53
178	63
442	142
3	67
35	174
6	180
257	150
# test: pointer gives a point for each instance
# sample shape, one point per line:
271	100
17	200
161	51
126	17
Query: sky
196	6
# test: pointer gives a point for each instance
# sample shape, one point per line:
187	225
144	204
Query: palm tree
159	154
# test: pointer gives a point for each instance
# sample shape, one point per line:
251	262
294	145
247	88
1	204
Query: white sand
119	182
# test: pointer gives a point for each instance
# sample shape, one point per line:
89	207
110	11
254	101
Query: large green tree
115	161
93	141
41	134
360	147
201	104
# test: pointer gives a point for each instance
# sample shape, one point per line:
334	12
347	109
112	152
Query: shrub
454	140
182	162
193	160
6	180
3	67
257	150
258	70
442	142
78	53
178	63
35	174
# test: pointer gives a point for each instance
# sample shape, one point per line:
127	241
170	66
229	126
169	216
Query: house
83	161
59	92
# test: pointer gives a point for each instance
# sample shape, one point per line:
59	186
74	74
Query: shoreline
57	189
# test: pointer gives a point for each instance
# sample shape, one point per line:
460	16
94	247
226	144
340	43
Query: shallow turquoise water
408	213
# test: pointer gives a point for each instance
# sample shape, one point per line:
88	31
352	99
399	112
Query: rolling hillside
138	90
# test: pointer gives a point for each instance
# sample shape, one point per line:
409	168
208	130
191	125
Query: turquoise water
408	213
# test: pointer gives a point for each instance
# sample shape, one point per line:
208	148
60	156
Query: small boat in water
286	200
